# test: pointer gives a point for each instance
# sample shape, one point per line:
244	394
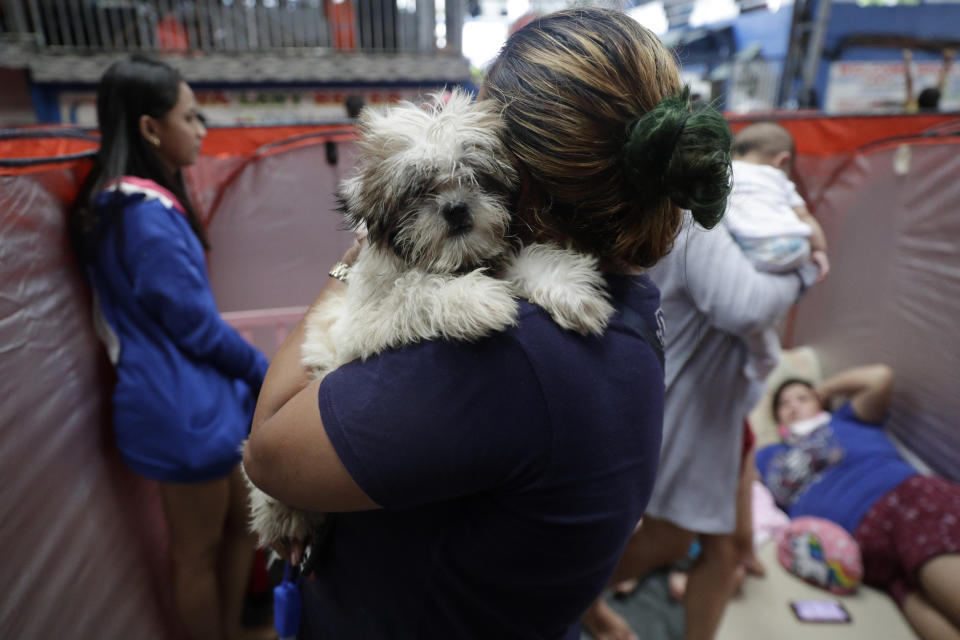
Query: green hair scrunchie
683	153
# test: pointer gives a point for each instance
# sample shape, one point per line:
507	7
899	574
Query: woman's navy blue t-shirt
511	472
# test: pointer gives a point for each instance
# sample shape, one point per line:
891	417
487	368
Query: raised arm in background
948	55
909	101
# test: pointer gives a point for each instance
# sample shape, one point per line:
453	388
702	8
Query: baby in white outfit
771	223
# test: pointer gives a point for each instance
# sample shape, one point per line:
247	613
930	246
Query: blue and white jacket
186	381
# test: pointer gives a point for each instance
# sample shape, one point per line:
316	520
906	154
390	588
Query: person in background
841	466
486	490
929	98
186	381
354	104
715	301
771	224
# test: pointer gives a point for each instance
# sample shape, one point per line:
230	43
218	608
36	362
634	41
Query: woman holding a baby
488	488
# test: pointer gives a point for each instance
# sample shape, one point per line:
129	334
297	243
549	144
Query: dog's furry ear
357	211
348	200
369	119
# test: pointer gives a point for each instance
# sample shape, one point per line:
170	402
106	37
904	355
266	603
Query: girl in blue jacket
187	382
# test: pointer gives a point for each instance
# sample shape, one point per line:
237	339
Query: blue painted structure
931	22
704	49
46	103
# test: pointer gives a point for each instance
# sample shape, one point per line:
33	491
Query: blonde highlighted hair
608	163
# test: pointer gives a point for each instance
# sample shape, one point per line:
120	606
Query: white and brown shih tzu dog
432	189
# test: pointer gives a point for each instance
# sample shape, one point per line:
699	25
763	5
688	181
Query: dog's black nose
457	215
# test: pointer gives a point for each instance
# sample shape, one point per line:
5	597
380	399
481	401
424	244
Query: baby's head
765	143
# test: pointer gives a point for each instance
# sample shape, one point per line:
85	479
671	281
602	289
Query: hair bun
681	153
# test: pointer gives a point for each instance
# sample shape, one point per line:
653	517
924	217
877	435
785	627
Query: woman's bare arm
869	388
948	55
288	454
908	76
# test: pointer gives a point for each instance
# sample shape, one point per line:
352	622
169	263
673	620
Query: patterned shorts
913	523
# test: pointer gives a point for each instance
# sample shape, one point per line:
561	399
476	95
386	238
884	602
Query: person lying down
843	467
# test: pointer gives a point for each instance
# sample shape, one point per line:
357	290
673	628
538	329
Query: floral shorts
913	523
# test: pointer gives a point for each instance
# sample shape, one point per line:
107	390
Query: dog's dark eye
490	184
413	187
415	192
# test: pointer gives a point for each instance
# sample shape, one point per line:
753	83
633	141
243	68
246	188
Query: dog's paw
274	523
416	305
567	284
471	306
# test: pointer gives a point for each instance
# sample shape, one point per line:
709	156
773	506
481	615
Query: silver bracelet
340	271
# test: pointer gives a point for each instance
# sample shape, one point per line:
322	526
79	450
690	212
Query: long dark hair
128	90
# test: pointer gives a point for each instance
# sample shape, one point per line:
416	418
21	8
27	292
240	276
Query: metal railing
218	26
752	86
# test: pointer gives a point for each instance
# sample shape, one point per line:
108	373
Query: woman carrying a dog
487	489
186	381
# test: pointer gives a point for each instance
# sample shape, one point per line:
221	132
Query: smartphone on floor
820	611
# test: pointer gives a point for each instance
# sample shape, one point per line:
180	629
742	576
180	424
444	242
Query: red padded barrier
83	538
819	135
890	217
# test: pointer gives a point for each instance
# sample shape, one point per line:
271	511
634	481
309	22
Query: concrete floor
762	611
649	610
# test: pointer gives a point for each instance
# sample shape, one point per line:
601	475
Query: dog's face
433	184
